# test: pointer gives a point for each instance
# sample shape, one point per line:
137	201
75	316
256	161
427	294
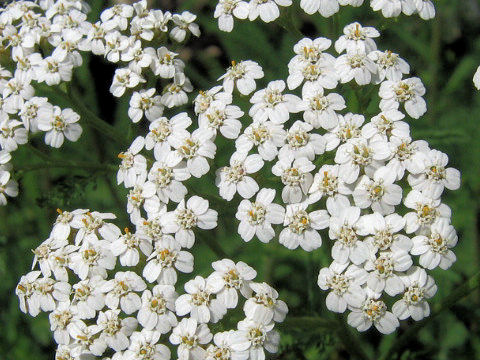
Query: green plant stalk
465	289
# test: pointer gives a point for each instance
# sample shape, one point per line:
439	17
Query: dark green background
444	53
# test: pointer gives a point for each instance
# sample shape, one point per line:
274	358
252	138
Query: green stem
465	289
307	323
86	114
351	341
94	121
212	243
286	21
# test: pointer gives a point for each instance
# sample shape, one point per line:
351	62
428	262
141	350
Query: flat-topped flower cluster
364	183
45	40
308	169
95	309
269	10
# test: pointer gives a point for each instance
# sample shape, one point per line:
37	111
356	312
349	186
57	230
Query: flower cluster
97	308
365	184
45	40
269	10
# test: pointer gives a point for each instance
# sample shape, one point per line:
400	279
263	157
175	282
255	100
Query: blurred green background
444	53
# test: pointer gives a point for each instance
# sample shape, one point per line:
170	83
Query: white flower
59	124
52	70
116	331
266	136
344	283
117	16
436	176
198	301
144	345
357	39
426	211
358	154
188	215
348	127
373	312
12	133
227	9
16	91
343	229
126	246
228	345
90	224
407	155
387	124
190	336
195	148
476	78
425	9
184	22
8	187
408	91
86	340
327	182
142	195
256	218
30	111
233	277
115	44
158	307
355	65
163	130
133	164
124	79
434	249
93	259
222	117
88	297
137	57
321	73
265	305
163	261
321	108
379	193
266	9
302	142
418	287
51	293
393	8
144	102
296	177
326	8
164	62
167	175
205	98
242	75
25	291
390	65
383	270
234	178
301	227
385	231
61	318
255	336
175	94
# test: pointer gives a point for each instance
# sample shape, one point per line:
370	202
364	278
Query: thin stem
94	121
212	243
286	21
87	115
351	341
465	289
